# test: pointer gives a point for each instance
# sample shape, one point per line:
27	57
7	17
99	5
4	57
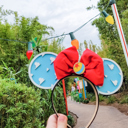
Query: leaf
2	106
33	44
39	40
5	65
46	48
12	69
34	41
17	72
31	59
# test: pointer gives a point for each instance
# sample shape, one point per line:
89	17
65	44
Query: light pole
119	28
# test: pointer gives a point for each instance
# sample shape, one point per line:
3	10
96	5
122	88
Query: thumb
62	121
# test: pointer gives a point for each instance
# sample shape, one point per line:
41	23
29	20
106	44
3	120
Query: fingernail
62	118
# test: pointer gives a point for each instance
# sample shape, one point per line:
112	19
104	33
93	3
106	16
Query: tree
13	53
109	35
23	29
93	47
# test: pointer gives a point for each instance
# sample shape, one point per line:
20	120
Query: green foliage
111	99
101	98
9	71
75	97
93	47
124	100
38	47
80	50
1	70
125	23
20	106
74	94
55	47
110	42
58	100
23	29
26	107
13	54
70	120
91	96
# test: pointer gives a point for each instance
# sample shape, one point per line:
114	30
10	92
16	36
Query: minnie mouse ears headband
47	68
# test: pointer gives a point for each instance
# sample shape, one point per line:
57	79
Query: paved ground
107	117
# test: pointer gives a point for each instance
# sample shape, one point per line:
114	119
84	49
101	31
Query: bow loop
93	66
65	61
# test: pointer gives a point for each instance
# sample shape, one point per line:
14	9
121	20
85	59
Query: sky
63	15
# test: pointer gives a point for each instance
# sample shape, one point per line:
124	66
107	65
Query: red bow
66	59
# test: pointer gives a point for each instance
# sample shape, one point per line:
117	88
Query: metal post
84	89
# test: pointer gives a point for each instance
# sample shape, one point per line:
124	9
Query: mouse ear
113	77
41	70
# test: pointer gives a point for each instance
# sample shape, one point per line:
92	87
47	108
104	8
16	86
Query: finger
52	121
62	121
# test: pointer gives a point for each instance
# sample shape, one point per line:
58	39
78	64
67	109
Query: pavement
107	116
